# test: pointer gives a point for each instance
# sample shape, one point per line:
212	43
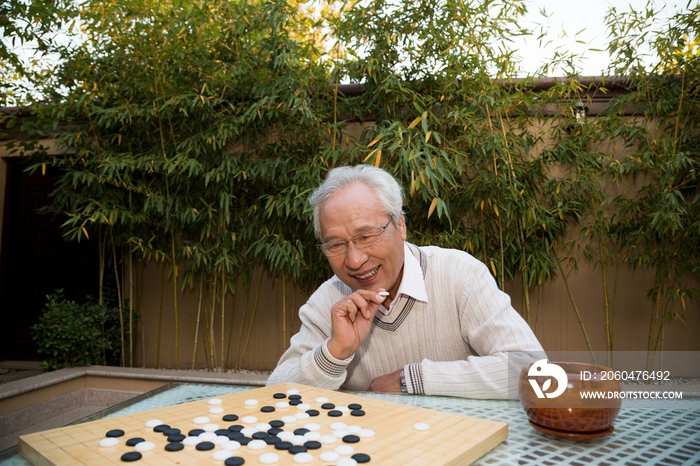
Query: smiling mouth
367	275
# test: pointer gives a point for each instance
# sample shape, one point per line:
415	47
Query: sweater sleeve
308	360
499	339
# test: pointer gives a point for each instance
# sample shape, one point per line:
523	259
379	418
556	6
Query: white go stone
263	427
338	426
248	431
109	442
210	427
421	426
249	420
366	433
341	433
329	456
321	399
289	419
312	426
354	429
302	416
220	440
257	444
144	446
344	450
207	436
191	440
154	422
200	420
221	455
250	402
292	391
215	401
327	439
342	409
269	458
285	435
231	445
303	458
298	440
312	436
282	404
216	410
303	406
346	462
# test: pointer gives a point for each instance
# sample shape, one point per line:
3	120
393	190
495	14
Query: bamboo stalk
160	314
230	330
284	313
175	309
240	330
119	297
252	317
578	314
223	315
196	325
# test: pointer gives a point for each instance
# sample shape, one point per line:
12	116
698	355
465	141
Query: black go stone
234	461
168	432
301	431
295	397
335	413
222	432
115	433
274	431
161	428
357	412
279	396
131	456
260	435
283	445
235	428
355	406
244	440
312	412
351	439
195	432
276	423
176	438
271	440
294	402
174	446
230	417
205	446
328	406
234	435
133	441
294	449
361	457
267	409
312	445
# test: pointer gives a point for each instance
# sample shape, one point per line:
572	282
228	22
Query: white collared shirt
412	283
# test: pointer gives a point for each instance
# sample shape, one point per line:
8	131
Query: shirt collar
412	283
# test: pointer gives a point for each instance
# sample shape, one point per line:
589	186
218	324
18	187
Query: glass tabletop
659	436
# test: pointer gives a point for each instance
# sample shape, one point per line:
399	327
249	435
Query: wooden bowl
563	412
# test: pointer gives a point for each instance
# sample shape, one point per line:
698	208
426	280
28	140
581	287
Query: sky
566	18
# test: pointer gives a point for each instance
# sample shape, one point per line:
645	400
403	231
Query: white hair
385	187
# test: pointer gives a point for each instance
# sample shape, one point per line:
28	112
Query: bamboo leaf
433	205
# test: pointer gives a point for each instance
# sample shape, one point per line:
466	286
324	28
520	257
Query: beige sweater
457	344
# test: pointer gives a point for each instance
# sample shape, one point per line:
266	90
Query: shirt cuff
414	379
328	364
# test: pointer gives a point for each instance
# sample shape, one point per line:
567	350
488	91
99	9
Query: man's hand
351	318
386	383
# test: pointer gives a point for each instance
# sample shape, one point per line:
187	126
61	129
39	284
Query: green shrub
71	334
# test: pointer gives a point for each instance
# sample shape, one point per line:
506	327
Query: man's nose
355	256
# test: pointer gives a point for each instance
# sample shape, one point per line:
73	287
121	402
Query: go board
375	432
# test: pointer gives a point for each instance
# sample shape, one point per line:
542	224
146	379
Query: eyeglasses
361	241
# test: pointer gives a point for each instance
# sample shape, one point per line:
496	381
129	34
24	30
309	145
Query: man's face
353	210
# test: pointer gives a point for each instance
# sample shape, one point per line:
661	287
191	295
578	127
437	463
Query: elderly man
397	317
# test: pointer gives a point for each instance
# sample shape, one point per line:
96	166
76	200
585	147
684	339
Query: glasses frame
352	240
